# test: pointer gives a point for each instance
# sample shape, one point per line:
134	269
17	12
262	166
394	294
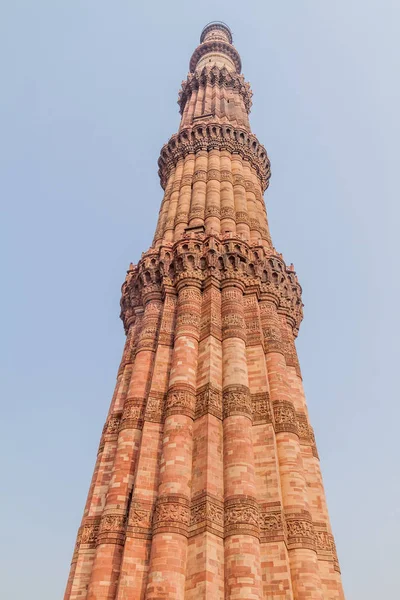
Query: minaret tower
207	483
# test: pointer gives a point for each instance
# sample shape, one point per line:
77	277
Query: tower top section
216	30
216	49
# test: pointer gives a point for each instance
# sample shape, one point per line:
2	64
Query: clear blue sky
88	98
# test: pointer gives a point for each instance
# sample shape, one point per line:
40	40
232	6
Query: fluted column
326	551
85	548
228	223
172	514
261	211
185	193
111	535
205	564
254	220
275	570
242	546
163	213
136	558
198	203
173	203
300	533
241	213
213	203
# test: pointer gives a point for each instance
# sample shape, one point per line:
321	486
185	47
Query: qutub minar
207	483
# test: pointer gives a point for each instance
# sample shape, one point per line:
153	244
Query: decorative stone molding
87	535
195	259
154	411
208	136
313	443
323	542
208	401
111	426
261	407
284	417
217	28
219	46
112	529
300	530
207	514
181	400
241	516
172	514
140	520
272	523
133	414
236	400
336	565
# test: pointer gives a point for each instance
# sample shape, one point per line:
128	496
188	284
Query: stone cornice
198	257
214	136
215	46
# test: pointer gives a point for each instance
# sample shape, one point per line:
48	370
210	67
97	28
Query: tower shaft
207	481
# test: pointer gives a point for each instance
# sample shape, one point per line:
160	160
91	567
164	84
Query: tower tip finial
216	26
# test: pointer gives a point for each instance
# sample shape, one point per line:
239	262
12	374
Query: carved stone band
172	514
272	523
111	426
207	514
87	535
300	530
112	529
208	137
236	400
262	412
241	516
140	520
208	401
133	414
181	400
285	417
155	407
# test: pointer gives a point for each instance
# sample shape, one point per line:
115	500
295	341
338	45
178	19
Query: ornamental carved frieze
154	412
207	514
300	530
111	426
313	442
87	535
133	414
323	542
336	565
208	401
112	529
241	516
207	137
271	523
261	408
140	519
215	45
284	417
306	433
211	77
195	259
181	400
172	514
236	400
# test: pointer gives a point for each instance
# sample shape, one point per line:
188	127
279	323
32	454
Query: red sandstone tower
207	483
